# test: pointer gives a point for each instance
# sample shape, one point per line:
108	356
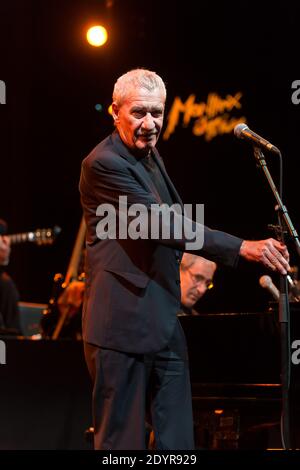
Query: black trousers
128	388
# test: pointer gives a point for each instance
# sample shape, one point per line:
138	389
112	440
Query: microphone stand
284	222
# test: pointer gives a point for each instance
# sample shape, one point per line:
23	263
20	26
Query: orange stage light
96	36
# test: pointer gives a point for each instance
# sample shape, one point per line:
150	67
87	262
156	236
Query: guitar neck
41	236
72	271
21	237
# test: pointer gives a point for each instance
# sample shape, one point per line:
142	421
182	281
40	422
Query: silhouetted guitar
57	321
41	236
72	273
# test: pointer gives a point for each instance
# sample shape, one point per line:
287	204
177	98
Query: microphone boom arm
259	156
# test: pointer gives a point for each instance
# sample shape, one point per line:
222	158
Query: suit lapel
122	150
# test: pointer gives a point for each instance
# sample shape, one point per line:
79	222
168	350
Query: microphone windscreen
239	128
265	281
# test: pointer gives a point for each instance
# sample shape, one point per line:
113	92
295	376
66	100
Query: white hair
137	78
189	259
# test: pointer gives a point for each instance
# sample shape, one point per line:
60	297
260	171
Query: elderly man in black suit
134	346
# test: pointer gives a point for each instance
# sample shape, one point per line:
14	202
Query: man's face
195	281
139	119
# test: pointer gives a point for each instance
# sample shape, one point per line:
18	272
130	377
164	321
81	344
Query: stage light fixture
96	36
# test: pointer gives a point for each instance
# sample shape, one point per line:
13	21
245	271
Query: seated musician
9	296
196	277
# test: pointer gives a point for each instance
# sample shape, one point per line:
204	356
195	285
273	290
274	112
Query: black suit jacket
132	291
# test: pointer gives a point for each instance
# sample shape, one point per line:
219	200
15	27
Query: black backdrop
49	122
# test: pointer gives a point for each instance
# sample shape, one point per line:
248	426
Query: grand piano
235	366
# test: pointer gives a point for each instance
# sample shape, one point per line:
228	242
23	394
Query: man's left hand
271	253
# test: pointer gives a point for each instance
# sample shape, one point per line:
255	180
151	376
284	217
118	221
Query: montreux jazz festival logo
207	118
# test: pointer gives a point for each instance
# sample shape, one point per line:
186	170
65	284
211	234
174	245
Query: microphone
267	283
242	131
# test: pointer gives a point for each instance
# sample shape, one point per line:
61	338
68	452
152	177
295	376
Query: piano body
235	367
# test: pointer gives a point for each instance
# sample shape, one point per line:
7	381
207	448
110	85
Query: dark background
54	79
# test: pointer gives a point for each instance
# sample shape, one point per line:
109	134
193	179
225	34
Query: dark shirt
157	178
160	184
